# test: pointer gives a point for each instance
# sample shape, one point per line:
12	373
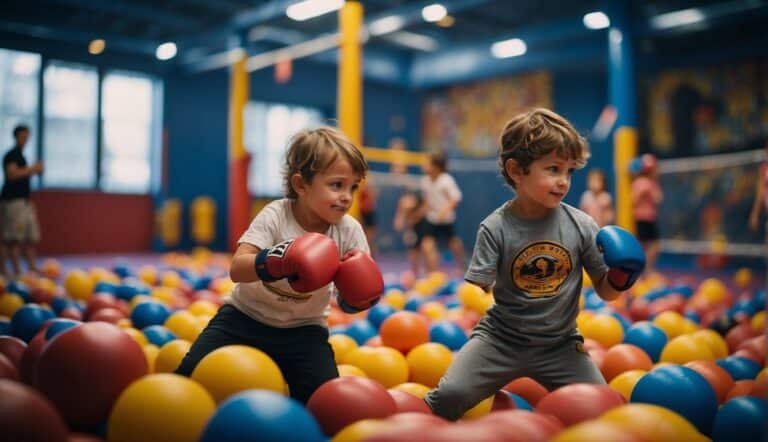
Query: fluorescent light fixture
596	20
312	8
386	25
434	12
677	18
514	47
26	64
414	41
166	51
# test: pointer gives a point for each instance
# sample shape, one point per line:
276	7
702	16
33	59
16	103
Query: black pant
303	353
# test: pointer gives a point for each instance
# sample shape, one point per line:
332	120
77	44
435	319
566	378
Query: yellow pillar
238	157
349	102
625	149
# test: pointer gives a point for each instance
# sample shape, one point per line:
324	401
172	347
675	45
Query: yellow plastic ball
203	320
414	388
170	356
713	340
383	364
100	274
184	325
742	278
148	274
684	349
234	368
351	370
758	322
593	431
762	376
138	299
51	268
479	410
671	322
434	310
202	307
160	407
713	290
137	335
78	285
474	298
603	328
150	353
165	295
395	298
652	422
359	431
428	362
341	345
170	279
587	281
625	382
9	303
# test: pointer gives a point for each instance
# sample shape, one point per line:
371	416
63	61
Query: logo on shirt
541	268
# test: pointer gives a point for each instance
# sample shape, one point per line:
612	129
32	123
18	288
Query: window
268	130
19	95
130	131
70	118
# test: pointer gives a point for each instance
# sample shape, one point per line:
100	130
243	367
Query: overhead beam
135	11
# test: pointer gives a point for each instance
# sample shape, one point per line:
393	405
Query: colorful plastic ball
383	364
184	325
5	326
361	331
625	382
742	418
514	425
447	333
428	362
720	380
78	284
577	403
406	402
686	348
739	368
158	335
596	431
341	345
7	369
671	322
648	337
58	325
28	320
413	388
361	430
653	423
481	409
528	389
714	341
28	361
13	348
146	314
682	390
603	328
10	303
350	370
26	415
413	304
160	407
342	401
624	357
404	331
84	369
261	415
235	368
378	313
170	355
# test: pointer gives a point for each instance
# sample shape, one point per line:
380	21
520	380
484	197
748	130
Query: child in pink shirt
646	197
596	201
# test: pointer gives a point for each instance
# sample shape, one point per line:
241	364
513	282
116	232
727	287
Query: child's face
595	182
329	196
548	181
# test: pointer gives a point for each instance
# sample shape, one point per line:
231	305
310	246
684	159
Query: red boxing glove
358	281
309	262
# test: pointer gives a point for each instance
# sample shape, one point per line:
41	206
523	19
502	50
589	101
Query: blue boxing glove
623	254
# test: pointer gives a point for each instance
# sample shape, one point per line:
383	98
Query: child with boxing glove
531	250
287	262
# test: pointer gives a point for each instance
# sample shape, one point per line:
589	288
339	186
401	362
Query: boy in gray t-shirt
532	250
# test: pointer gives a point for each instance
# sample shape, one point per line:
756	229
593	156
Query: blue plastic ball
682	390
741	418
378	313
740	368
5	327
647	336
18	288
58	325
447	333
149	313
27	320
361	331
158	335
413	304
261	415
520	402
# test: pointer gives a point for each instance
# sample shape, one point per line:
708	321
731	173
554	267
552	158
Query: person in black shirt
20	229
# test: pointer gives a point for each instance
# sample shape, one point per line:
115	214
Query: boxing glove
308	262
623	254
358	281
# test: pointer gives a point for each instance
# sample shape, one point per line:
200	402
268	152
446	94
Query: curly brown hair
535	134
314	151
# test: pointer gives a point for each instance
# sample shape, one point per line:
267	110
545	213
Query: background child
368	193
441	196
409	219
760	202
646	197
596	201
532	250
285	263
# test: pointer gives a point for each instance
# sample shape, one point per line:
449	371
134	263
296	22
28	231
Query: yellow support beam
393	156
625	149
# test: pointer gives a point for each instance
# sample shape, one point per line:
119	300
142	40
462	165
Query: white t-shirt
437	193
277	304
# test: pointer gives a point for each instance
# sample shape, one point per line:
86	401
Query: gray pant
482	368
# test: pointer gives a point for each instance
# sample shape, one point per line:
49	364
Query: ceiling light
312	8
386	25
414	41
96	47
513	47
677	18
434	12
596	20
446	22
166	51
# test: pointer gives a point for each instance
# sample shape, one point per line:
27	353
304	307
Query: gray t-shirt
276	303
537	269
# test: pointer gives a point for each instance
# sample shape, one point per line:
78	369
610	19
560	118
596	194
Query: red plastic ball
13	348
527	389
26	415
342	401
579	402
406	402
624	357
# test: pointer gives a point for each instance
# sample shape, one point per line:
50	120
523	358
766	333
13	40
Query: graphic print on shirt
541	268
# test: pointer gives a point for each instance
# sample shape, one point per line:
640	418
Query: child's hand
309	262
359	282
623	254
